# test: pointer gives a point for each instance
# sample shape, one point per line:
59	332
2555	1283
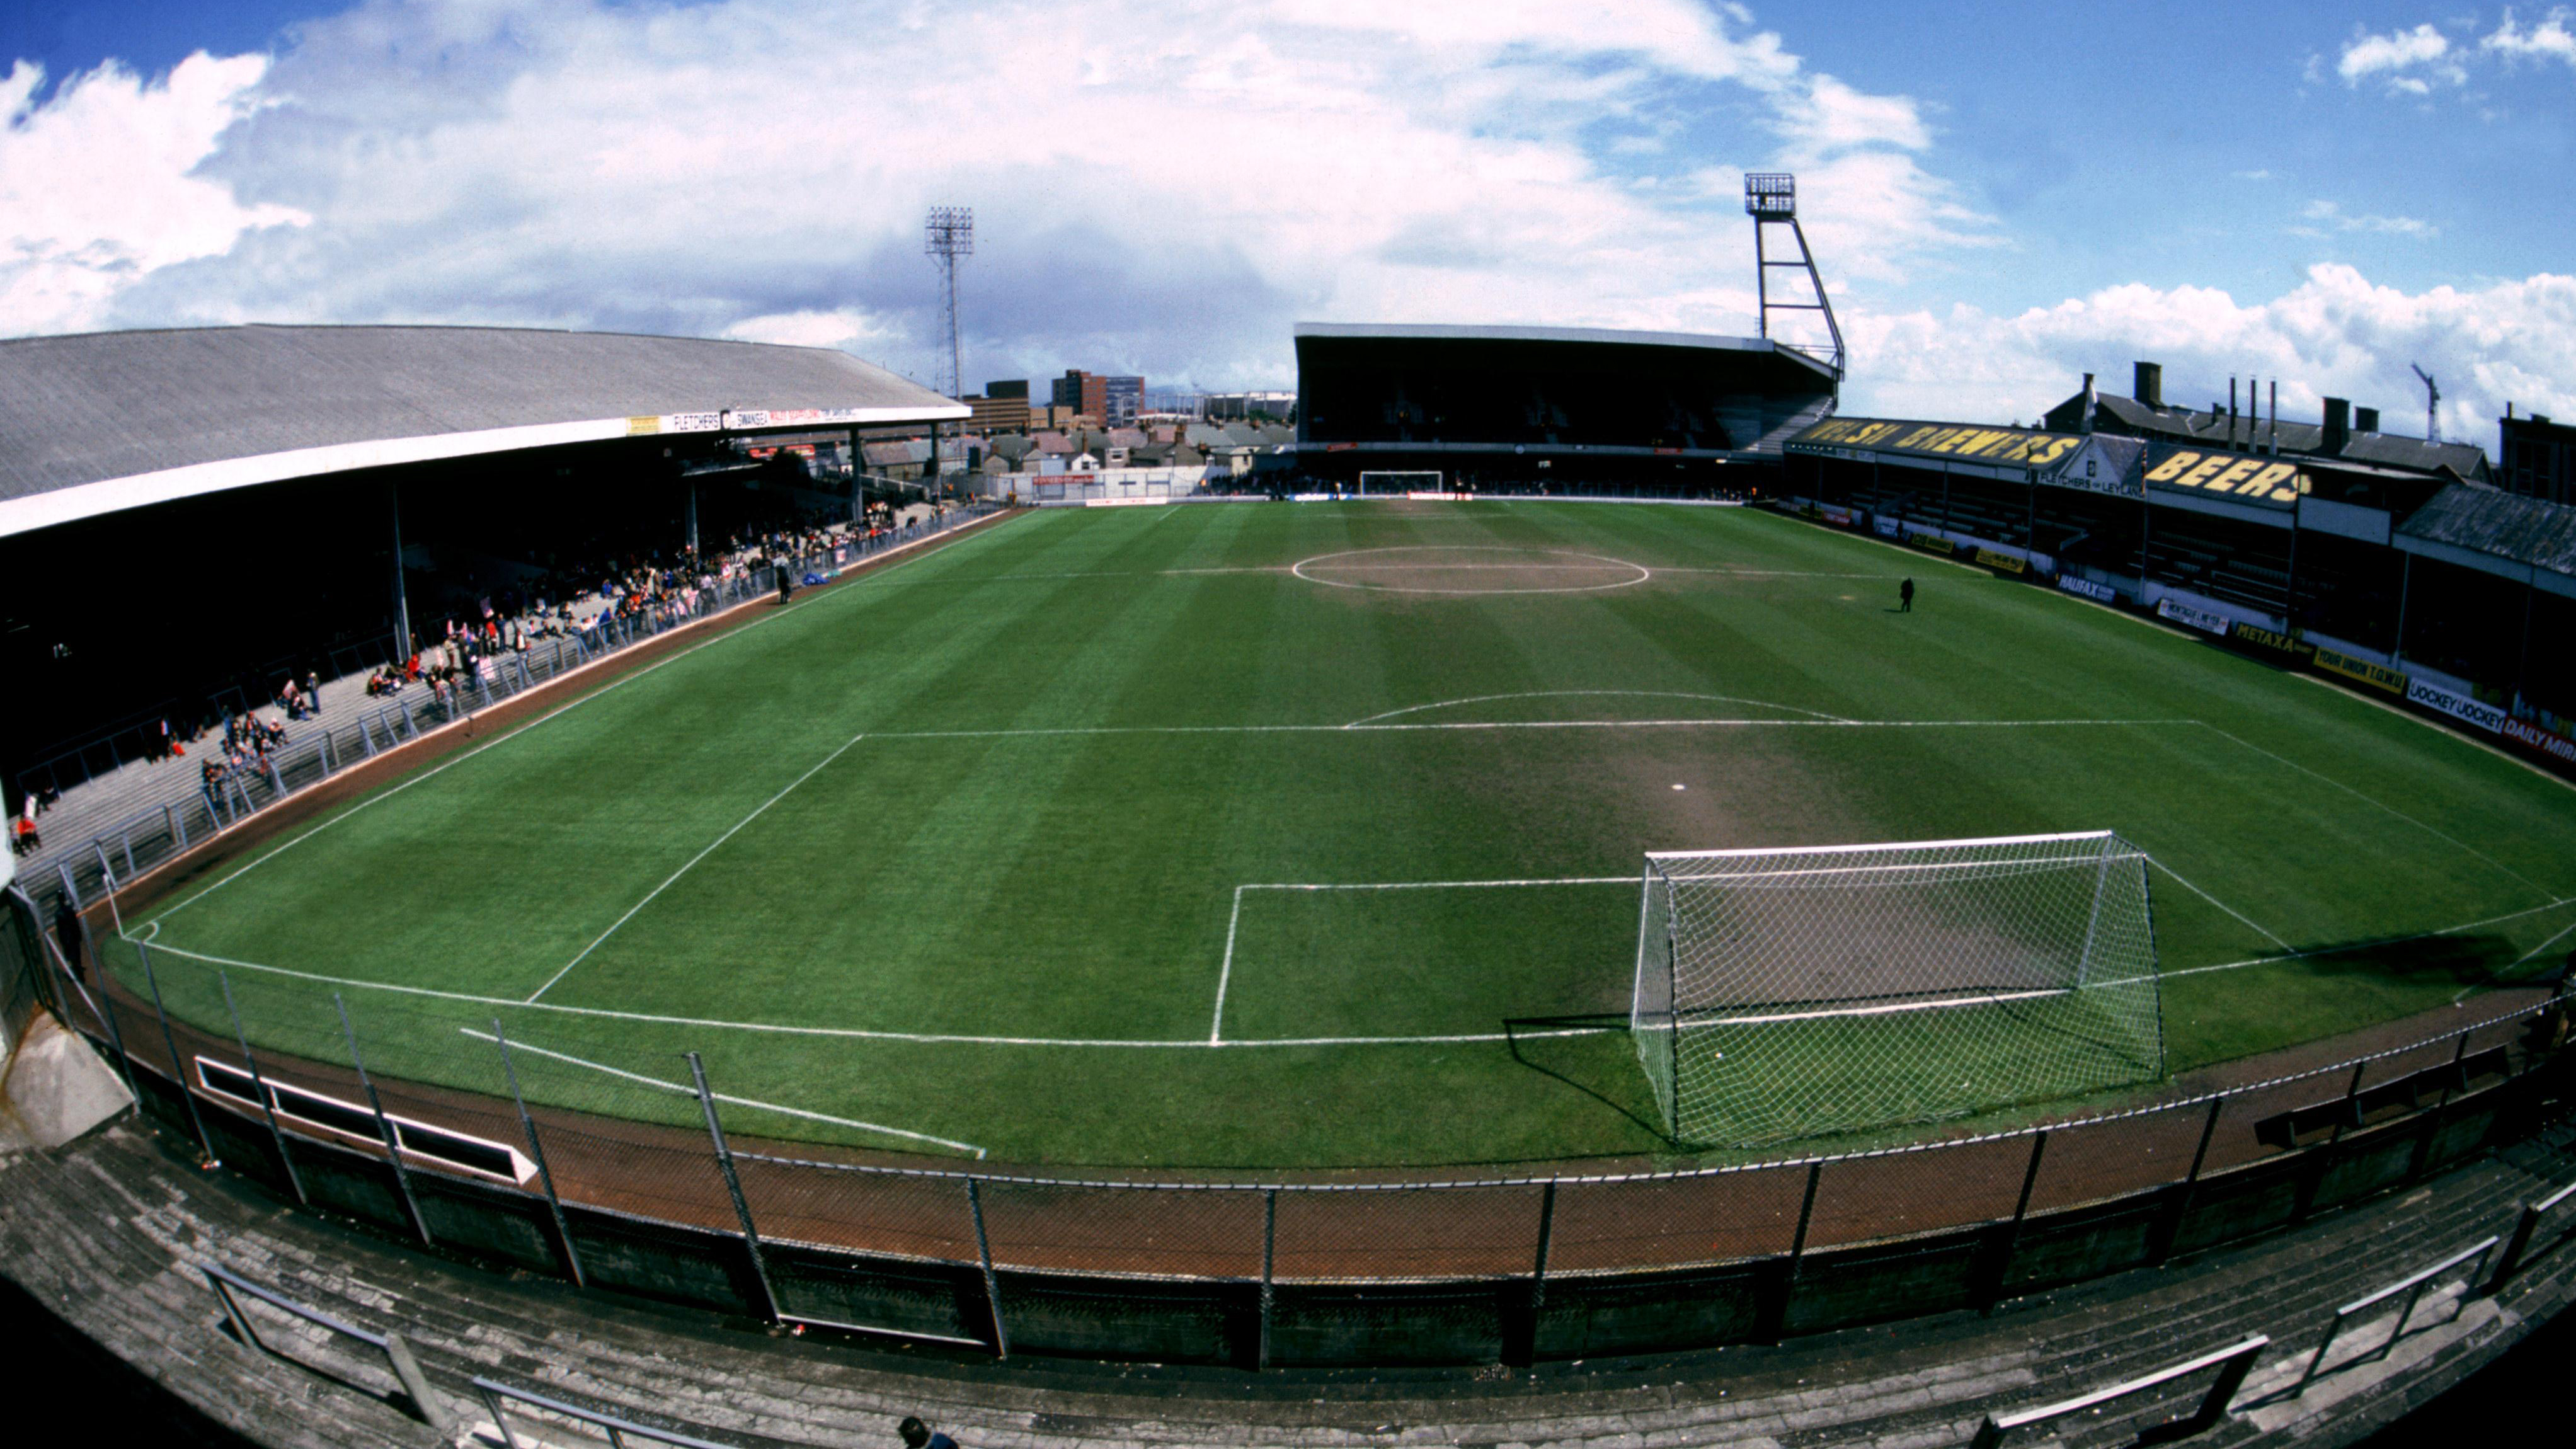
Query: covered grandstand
190	517
2375	565
1512	407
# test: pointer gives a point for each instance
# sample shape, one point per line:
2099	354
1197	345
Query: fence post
2010	1238
1269	1261
259	1088
733	1185
2441	1108
103	1005
992	1284
537	1154
2170	1230
1774	1318
178	1069
384	1125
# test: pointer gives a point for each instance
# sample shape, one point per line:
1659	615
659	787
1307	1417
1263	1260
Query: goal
1399	484
1787	993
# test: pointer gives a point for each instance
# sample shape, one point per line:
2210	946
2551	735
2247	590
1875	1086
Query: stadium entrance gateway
1793	993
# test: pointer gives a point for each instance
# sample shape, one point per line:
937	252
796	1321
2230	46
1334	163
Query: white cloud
2416	62
2336	334
2325	214
2551	39
99	184
2411	62
1159	185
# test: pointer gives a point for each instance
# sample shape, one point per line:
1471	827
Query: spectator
918	1435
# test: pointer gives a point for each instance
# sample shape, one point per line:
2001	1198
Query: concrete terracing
109	1232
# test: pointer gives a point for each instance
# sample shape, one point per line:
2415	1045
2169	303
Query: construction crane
2432	406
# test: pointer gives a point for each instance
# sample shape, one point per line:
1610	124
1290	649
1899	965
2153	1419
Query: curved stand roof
103	421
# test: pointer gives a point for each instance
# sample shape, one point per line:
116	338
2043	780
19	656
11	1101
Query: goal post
1787	993
1394	484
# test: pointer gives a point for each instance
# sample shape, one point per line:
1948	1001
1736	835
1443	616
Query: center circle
1470	569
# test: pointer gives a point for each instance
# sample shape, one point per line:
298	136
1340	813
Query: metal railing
497	1396
2526	1224
230	1287
2412	1286
2233	1363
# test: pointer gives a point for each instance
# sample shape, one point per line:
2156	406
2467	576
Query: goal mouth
1798	992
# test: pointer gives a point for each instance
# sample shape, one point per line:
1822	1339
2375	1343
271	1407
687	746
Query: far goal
1399	484
1788	993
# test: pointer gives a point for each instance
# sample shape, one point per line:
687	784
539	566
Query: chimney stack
2149	389
2084	423
2338	426
2365	420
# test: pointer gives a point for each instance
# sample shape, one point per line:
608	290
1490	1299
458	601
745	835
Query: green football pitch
1271	835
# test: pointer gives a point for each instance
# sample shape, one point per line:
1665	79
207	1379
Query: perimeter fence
174	806
646	1166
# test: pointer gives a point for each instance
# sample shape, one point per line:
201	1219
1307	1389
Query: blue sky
2003	195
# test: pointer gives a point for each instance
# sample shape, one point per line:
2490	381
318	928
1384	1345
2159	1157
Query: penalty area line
784	1111
2242	918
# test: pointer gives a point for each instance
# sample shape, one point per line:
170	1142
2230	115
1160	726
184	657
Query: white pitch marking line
693	861
1591	693
2222	905
2399	941
1561	724
2560	935
2368	800
1225	971
785	1111
1433	885
867	1034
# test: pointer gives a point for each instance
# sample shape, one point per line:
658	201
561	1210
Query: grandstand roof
1442	332
102	421
2499	525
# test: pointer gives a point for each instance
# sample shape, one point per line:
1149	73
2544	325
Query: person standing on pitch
786	580
1905	597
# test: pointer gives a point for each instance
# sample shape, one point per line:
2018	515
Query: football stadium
1586	852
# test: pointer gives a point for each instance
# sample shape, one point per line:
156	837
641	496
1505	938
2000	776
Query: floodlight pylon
949	235
1771	199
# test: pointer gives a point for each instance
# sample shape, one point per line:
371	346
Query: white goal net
1795	992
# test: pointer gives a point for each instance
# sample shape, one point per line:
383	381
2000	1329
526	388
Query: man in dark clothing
1905	597
786	580
918	1435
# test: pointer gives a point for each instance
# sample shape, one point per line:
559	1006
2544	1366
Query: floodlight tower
2432	405
1771	198
950	235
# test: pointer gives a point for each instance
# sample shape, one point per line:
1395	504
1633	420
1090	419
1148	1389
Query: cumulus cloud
1158	185
2409	62
2336	334
2416	62
2553	37
102	183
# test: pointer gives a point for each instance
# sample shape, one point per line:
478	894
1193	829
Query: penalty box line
1234	919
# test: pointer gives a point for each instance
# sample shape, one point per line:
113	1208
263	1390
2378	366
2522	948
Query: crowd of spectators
594	603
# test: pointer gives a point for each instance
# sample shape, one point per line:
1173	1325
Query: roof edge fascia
142	490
